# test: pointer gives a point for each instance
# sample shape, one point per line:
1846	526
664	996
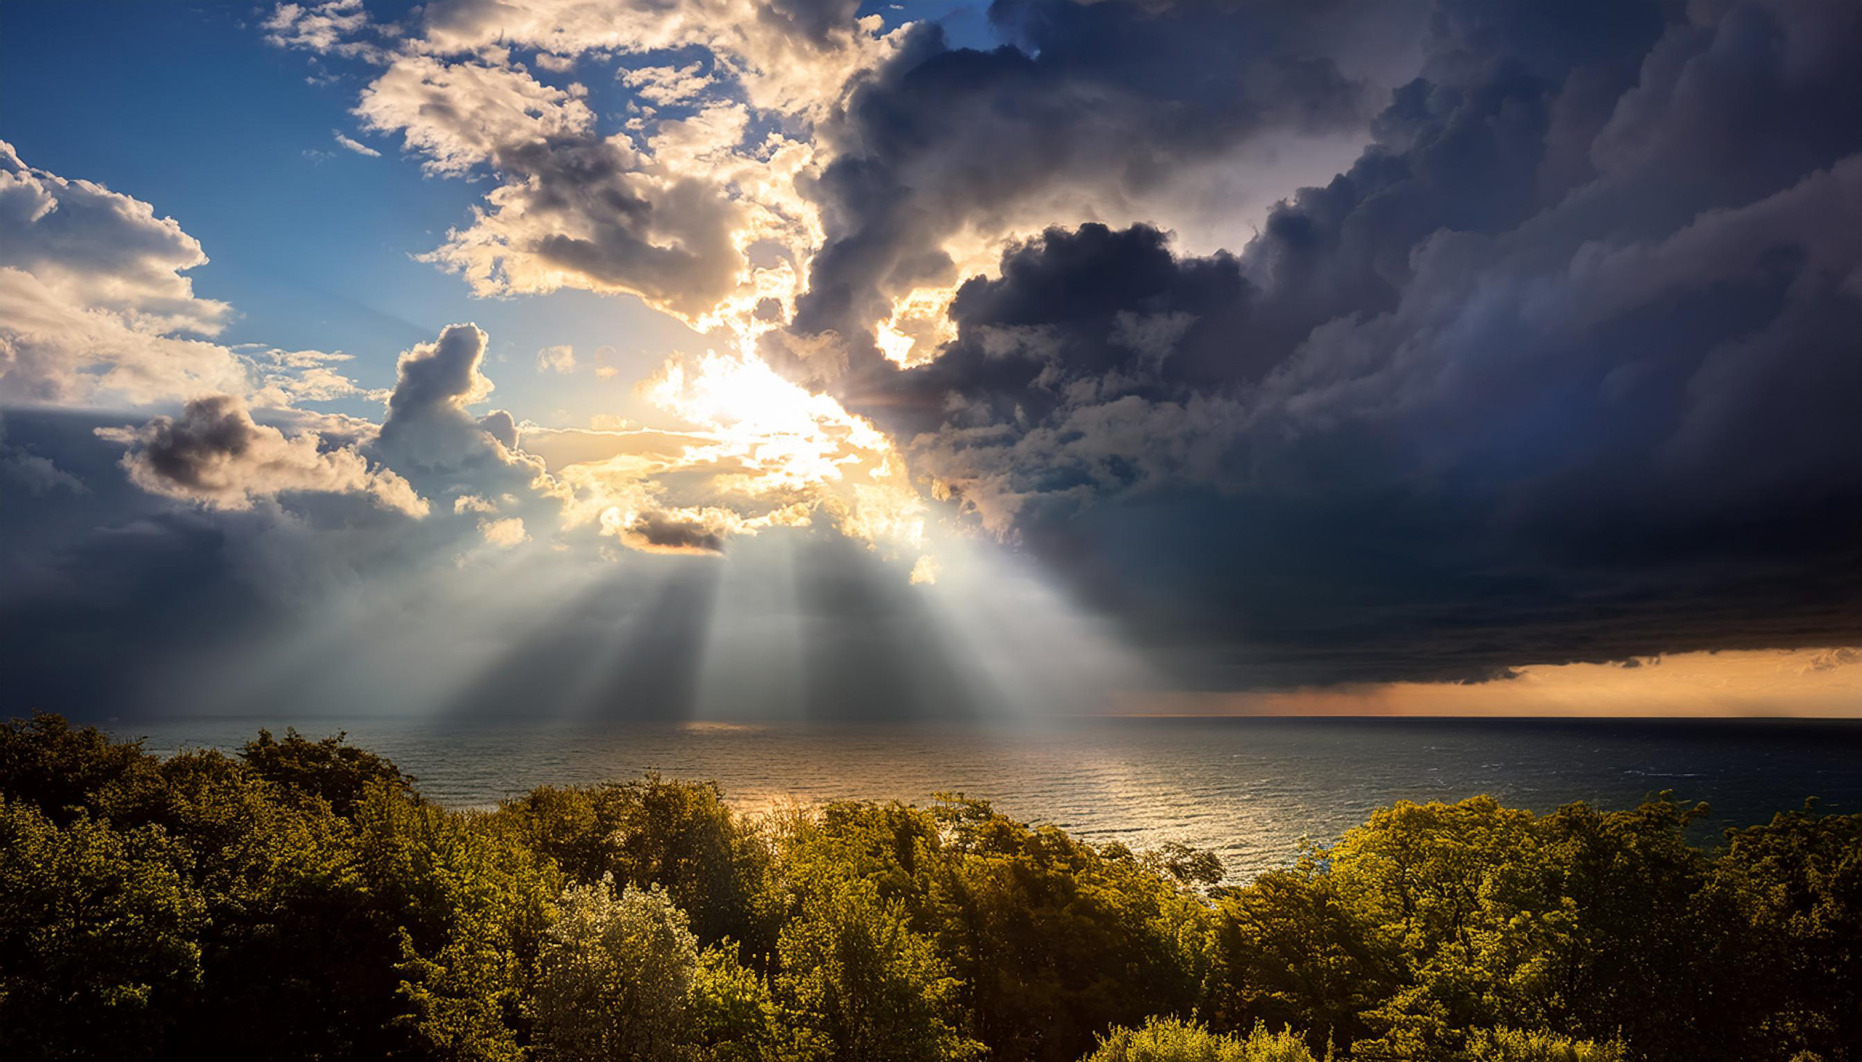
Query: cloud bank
1555	360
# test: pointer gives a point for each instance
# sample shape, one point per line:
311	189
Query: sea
1255	790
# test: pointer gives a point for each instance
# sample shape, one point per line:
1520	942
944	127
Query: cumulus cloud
460	115
94	303
1092	107
787	55
339	27
661	531
216	455
505	533
96	307
427	423
575	208
1559	369
664	208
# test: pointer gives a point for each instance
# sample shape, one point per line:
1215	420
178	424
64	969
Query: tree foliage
300	901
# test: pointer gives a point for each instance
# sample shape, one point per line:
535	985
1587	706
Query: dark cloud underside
1565	367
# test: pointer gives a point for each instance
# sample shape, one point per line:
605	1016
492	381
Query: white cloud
667	85
560	359
95	248
355	145
337	27
462	115
96	309
663	208
505	533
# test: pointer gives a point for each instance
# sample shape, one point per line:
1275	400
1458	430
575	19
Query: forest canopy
300	900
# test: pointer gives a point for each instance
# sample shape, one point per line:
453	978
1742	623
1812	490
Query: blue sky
186	107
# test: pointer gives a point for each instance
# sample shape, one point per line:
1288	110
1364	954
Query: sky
825	359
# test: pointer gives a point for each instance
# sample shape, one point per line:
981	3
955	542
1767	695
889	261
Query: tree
1056	939
329	768
1173	1040
1295	953
617	977
467	905
1515	1045
97	931
855	973
1796	885
679	835
65	771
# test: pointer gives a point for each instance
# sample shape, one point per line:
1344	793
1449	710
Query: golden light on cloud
1807	682
761	451
920	324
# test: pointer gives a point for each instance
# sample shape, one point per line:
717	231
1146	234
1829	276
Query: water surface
1249	788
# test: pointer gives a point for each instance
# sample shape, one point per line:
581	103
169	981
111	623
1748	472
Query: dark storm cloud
1565	367
1114	97
115	600
663	531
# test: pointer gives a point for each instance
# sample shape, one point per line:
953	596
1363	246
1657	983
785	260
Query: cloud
660	531
559	359
355	145
35	473
788	55
338	27
663	209
924	571
666	85
461	115
96	307
282	378
93	296
1515	387
1092	107
427	424
1559	366
217	456
574	209
504	533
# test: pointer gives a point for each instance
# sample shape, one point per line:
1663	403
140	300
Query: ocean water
1251	789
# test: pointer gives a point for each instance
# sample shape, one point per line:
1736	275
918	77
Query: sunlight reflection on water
1248	788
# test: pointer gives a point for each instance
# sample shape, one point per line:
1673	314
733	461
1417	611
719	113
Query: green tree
738	1018
1515	1045
679	835
97	936
1296	953
65	771
1057	939
330	768
1796	886
296	961
855	974
468	906
1175	1040
617	978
